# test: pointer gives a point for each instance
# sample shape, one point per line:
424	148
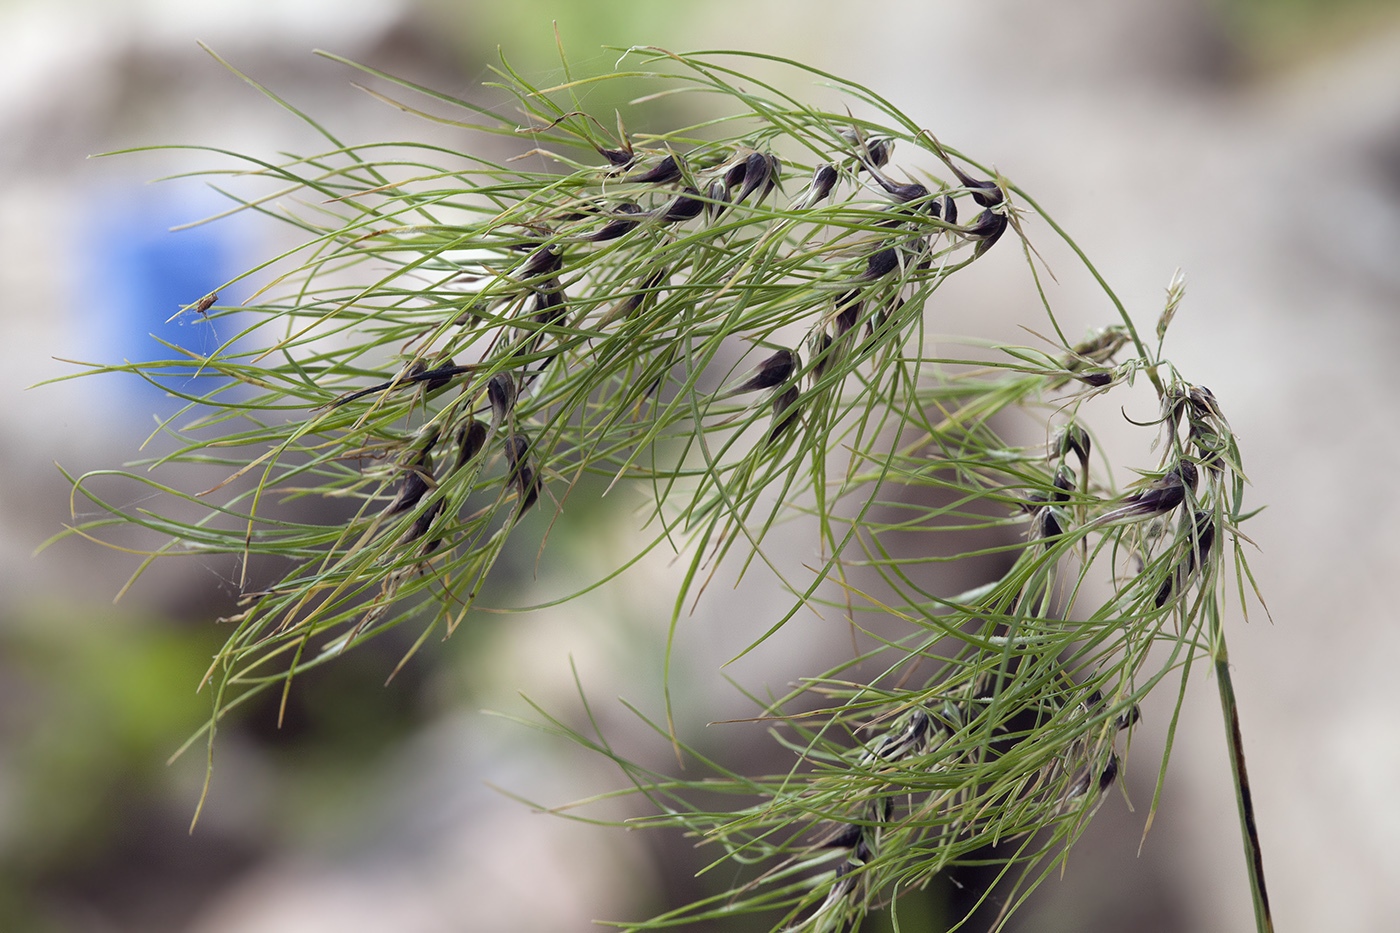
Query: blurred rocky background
1253	143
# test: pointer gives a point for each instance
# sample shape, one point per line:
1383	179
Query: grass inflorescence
728	316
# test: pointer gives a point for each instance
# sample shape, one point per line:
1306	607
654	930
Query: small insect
206	303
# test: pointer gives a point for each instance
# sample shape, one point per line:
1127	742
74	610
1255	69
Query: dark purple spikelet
877	152
881	263
985	193
684	206
902	193
663	173
950	209
439	376
618	158
823	181
417	479
500	392
986	229
545	261
785	411
760	174
845	837
773	371
718	193
470	438
1047	526
618	225
1166	493
422	523
1109	773
1073	438
549	304
820	345
522	475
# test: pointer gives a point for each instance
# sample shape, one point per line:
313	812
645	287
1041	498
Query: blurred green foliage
1277	34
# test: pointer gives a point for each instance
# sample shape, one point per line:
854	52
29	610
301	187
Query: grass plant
731	316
